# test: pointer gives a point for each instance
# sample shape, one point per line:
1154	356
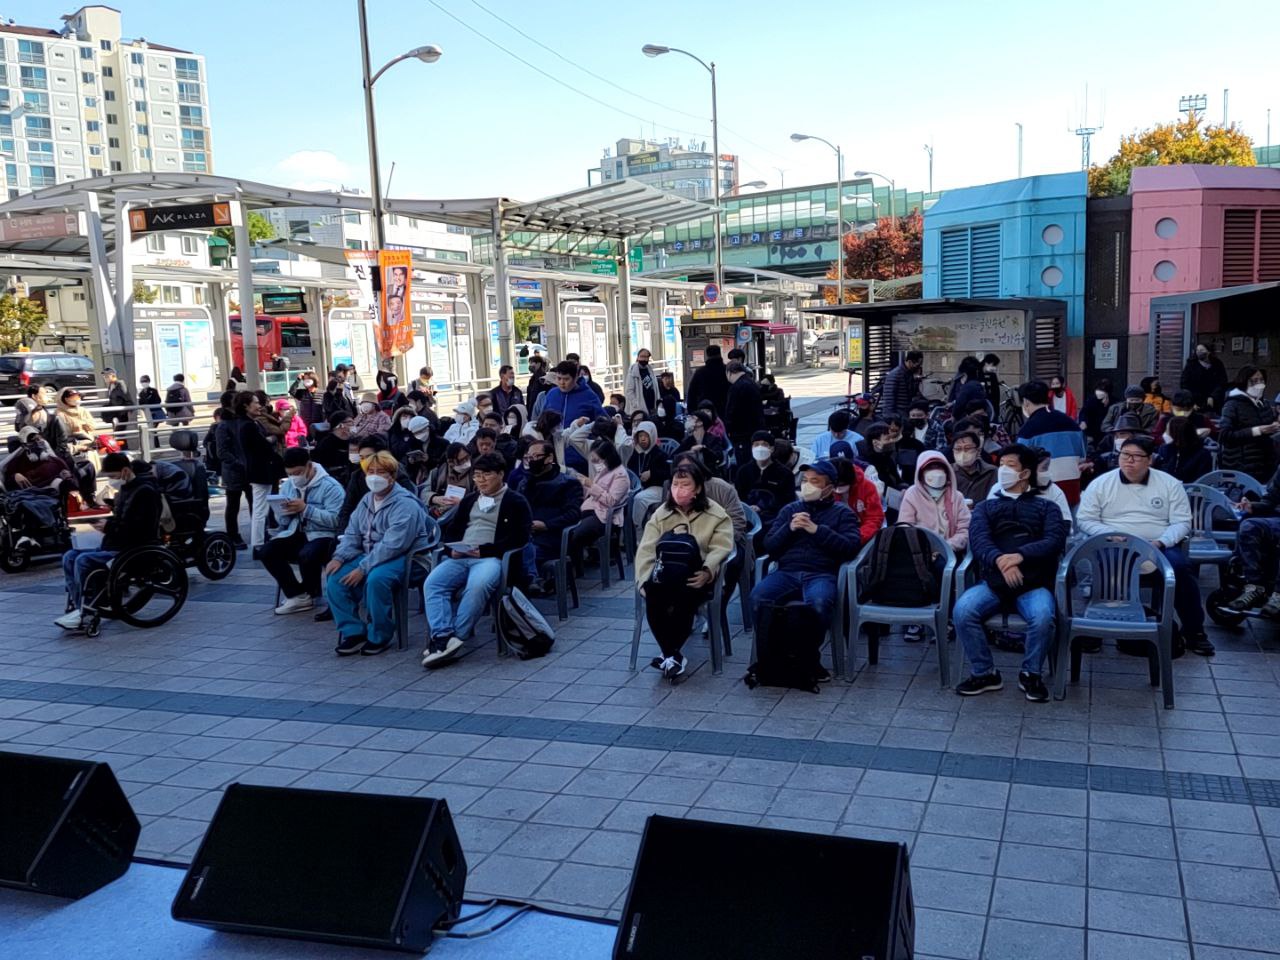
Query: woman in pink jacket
297	432
934	503
606	487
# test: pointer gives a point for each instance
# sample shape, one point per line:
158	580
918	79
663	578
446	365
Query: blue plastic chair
1229	480
668	446
629	543
1113	607
566	577
837	629
747	578
862	612
1207	545
719	631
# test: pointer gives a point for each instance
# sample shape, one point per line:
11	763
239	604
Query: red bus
277	336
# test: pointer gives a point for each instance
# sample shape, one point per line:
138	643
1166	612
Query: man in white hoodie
1147	503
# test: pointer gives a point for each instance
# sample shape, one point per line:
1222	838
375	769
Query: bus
277	336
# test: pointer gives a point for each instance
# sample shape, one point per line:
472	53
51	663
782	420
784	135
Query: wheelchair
33	527
212	552
143	587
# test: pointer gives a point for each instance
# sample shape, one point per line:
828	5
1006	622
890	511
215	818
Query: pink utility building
1205	266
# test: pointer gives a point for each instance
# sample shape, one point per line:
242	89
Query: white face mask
115	483
1101	395
662	411
966	458
353	457
367	407
308	383
761	454
811	492
299	481
424	436
690	423
377	483
484	503
988	369
1166	438
1256	390
462	467
935	479
1119	443
1007	477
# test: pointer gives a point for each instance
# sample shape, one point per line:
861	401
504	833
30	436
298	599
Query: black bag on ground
902	572
788	647
523	628
678	556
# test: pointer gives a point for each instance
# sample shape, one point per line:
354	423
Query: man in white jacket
641	387
1151	504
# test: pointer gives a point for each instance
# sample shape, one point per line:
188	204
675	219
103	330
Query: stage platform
129	920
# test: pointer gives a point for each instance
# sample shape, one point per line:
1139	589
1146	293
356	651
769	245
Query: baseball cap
824	467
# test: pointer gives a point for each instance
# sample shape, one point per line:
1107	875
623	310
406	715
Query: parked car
19	370
827	344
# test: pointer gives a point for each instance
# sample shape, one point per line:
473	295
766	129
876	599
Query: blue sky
880	79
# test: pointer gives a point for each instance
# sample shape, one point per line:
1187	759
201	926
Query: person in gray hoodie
369	564
308	530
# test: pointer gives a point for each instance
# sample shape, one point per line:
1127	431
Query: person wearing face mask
744	410
1094	411
991	385
1054	431
857	487
360	453
1017	540
1142	502
1153	393
670	605
506	393
764	486
514	421
134	522
1107	458
307	533
880	451
667	416
641	386
465	423
1182	453
838	428
34	465
809	540
368	565
918	430
1132	403
555	504
700	440
371	419
488	523
974	476
310	400
1061	398
331	449
1248	427
933	502
648	462
263	467
149	397
336	398
400	441
432	446
1206	378
606	487
295	427
454	472
1183	405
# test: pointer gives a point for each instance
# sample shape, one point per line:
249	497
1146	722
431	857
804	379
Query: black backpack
788	647
902	573
678	556
523	627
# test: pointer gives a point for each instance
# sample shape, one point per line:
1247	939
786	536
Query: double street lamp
797	137
893	217
657	50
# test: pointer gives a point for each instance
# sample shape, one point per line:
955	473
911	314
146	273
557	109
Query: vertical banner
364	264
395	331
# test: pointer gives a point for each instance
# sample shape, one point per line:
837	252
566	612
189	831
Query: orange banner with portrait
395	329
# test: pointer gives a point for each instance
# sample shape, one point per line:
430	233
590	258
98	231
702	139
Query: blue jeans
1036	606
377	590
818	590
1256	547
76	567
1186	592
476	578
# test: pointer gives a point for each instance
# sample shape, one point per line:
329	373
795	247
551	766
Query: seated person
670	605
1126	426
34	464
308	531
856	488
455	473
1147	503
975	477
837	429
1017	539
930	436
172	480
488	523
555	504
700	439
400	439
1181	452
1183	405
606	487
934	503
368	565
357	486
881	451
1043	486
485	441
722	492
764	485
1133	403
1256	546
331	449
809	540
648	462
134	522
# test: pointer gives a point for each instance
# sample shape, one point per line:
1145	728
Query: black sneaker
240	544
1089	644
373	649
676	668
324	616
350	645
975	684
1033	687
1200	645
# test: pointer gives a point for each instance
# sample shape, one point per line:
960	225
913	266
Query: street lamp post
427	54
928	148
657	50
893	217
797	137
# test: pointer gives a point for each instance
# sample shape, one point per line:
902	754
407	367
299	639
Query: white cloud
317	170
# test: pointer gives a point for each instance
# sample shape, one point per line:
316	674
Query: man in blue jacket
555	504
572	399
1017	539
810	539
308	531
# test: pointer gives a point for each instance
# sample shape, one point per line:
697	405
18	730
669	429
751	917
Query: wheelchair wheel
92	626
14	561
215	556
148	586
1216	606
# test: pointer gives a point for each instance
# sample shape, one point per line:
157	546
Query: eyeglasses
1134	457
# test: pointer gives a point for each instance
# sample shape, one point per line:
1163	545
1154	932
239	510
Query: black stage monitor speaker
66	827
718	891
353	868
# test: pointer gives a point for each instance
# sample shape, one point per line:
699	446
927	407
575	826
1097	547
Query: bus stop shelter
1239	321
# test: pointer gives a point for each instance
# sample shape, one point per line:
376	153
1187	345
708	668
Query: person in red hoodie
857	492
1061	398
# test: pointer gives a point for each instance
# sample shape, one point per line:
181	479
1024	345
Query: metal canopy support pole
322	362
715	173
114	349
552	321
624	308
221	332
248	315
124	288
656	304
502	287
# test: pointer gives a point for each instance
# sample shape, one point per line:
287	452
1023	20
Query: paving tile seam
1048	773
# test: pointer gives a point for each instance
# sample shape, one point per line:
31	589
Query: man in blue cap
810	539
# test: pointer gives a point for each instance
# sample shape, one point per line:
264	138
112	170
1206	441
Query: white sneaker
70	621
295	605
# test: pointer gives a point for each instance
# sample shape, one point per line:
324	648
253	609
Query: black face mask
918	423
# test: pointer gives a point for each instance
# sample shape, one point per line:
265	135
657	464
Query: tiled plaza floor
1102	826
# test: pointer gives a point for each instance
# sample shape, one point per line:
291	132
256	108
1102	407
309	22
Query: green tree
1185	141
144	294
525	318
20	320
259	229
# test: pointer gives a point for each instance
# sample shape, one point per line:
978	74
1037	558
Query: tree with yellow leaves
1168	143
